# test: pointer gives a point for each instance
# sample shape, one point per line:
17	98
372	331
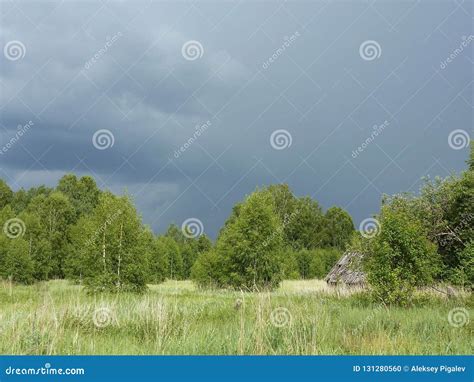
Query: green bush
400	257
206	271
250	244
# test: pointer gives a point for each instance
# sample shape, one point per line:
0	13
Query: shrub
400	258
250	244
206	271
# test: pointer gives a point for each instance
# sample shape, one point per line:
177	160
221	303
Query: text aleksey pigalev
436	369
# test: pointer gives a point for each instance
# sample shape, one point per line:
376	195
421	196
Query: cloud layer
328	73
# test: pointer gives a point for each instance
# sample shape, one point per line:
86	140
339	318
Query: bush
400	258
206	271
250	244
464	274
15	261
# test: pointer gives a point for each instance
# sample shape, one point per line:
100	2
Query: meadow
300	317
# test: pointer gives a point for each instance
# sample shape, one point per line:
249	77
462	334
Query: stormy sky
189	106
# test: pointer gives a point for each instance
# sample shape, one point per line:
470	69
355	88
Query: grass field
302	317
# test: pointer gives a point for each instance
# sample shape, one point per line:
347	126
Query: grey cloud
319	89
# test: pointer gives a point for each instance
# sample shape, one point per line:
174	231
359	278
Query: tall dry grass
302	317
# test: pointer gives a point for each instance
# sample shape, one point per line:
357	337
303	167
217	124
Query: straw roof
347	271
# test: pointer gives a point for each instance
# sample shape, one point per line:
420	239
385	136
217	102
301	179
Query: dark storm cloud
264	67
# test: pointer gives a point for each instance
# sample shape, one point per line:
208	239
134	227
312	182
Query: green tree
317	267
83	193
175	233
445	208
17	264
6	194
400	257
289	265
207	271
15	260
166	259
108	244
316	263
39	245
464	274
305	225
55	214
304	258
470	161
338	228
22	198
250	246
190	251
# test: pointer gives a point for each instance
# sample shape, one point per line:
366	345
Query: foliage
338	228
6	194
445	208
250	245
94	237
109	247
400	257
82	193
305	229
206	272
316	263
55	215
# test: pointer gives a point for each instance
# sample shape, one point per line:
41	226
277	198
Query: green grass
174	318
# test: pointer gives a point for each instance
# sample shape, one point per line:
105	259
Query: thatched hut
347	271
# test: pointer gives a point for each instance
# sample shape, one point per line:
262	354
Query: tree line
93	237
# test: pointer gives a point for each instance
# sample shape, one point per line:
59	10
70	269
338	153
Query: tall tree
305	226
250	246
56	215
6	194
108	243
400	257
338	228
83	193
